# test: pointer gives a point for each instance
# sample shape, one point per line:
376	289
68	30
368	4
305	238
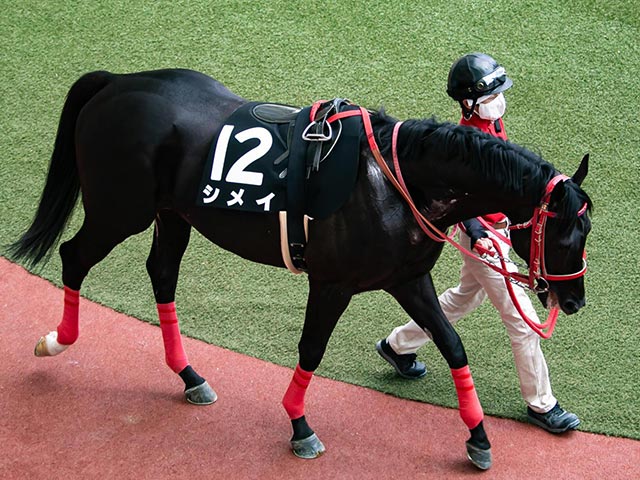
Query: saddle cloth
260	162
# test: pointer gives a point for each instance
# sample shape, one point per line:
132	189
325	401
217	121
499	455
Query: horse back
142	145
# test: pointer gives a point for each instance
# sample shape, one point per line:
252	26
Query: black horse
135	145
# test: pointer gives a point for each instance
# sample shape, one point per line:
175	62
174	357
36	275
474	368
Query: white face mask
494	109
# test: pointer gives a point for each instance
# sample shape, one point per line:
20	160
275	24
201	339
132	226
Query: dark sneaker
406	365
556	420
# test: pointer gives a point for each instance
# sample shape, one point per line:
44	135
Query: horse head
554	242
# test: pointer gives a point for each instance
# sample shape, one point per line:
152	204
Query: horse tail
62	186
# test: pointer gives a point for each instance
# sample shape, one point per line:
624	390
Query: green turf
576	70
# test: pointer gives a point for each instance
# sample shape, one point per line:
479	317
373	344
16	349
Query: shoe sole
390	361
544	426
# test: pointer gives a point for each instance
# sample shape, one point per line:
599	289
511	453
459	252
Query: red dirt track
109	408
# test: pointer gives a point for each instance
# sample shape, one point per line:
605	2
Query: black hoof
480	457
310	447
202	394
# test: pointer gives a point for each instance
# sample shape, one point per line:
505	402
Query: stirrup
318	136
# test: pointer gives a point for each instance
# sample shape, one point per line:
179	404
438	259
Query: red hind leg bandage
468	403
68	329
174	352
293	401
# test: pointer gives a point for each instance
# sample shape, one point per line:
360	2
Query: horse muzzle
569	304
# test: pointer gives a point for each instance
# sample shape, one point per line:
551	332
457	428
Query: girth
314	135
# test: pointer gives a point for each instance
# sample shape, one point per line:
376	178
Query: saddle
319	131
305	163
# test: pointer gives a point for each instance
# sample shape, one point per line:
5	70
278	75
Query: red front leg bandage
68	329
293	401
174	352
468	403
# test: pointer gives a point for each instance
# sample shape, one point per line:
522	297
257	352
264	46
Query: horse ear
557	194
581	173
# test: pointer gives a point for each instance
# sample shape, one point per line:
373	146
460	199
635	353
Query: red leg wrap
68	329
293	401
468	403
174	352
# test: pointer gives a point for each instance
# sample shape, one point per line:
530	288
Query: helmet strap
468	111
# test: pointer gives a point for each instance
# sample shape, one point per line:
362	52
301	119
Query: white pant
478	282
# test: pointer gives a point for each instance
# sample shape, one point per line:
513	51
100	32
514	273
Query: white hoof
48	346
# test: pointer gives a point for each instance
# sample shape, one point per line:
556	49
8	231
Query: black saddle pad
249	161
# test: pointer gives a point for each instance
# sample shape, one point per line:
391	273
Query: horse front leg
418	298
170	240
325	305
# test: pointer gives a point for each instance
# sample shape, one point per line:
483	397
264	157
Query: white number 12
237	172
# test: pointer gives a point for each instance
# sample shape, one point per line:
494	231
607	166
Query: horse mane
507	165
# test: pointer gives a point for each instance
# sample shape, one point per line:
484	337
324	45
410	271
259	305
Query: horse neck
455	187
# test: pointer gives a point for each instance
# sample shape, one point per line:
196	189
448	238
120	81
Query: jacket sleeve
475	230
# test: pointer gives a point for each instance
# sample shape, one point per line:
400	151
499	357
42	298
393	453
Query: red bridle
537	268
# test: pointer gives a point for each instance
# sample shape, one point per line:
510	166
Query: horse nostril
572	306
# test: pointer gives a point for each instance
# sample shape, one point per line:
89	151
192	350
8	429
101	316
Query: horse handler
477	82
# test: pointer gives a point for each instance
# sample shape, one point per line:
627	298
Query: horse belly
252	236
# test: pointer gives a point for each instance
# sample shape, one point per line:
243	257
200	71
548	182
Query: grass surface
576	71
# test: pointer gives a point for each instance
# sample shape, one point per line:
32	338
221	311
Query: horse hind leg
87	248
170	240
57	341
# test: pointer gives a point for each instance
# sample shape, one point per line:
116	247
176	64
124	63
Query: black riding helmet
473	76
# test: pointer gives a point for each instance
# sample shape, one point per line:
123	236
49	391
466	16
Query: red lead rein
549	324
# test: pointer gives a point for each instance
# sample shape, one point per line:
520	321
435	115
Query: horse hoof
202	394
480	457
48	346
310	447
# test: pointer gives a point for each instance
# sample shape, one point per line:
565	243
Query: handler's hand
485	244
